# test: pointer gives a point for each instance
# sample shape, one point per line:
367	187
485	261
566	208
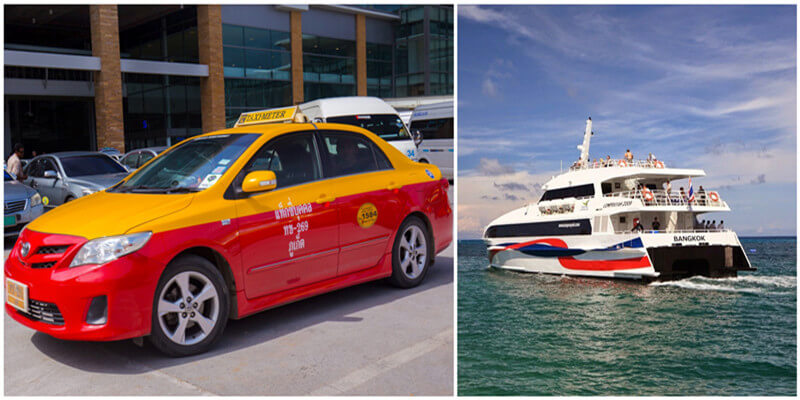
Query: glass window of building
424	63
258	69
147	33
328	67
48	28
160	109
379	70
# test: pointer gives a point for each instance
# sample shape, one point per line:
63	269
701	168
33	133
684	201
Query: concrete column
104	24
212	88
361	55
296	37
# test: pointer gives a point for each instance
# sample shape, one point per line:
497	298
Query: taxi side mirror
259	181
51	174
417	138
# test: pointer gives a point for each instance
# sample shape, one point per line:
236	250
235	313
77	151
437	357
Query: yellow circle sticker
367	215
45	200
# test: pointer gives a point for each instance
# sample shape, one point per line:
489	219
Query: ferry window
617	185
434	128
574	191
559	228
606	186
621	220
348	154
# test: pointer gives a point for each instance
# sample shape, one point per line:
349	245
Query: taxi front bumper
59	297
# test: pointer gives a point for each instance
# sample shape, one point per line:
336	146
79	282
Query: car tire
424	161
68	199
177	328
412	253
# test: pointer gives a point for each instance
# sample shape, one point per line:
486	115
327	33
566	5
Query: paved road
372	339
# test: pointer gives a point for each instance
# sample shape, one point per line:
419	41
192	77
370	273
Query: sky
709	87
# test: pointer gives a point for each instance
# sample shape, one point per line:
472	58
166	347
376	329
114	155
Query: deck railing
617	163
650	231
661	198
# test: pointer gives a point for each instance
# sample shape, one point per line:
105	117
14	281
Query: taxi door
369	209
289	236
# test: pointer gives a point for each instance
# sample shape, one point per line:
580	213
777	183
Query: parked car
65	176
22	204
134	159
279	212
112	152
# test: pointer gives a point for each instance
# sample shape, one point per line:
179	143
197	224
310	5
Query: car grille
44	312
12	207
43	265
52	249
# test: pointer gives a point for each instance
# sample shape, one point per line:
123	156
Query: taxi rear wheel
412	253
190	308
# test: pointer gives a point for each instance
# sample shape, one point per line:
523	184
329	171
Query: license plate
17	295
9	220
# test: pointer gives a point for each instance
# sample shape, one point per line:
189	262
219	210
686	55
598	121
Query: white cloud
489	88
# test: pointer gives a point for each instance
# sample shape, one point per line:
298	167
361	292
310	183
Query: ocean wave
741	284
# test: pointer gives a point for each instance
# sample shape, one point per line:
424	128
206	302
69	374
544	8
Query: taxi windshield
191	167
388	126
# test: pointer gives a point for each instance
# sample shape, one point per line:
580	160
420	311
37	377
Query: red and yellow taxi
227	224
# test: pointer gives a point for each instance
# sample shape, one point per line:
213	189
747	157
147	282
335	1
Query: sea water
535	334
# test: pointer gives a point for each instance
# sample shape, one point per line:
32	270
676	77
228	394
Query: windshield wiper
182	190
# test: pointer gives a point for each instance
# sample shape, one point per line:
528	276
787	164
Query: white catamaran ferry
597	220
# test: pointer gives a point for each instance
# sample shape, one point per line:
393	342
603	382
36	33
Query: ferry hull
650	256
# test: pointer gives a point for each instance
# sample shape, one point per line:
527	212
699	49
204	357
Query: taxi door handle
393	186
325	198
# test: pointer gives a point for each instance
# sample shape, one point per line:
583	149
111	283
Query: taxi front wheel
190	308
412	254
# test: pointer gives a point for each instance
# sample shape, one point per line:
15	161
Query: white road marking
382	365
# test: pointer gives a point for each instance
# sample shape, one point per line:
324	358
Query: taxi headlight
103	250
36	199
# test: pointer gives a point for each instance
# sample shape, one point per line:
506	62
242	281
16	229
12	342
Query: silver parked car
65	176
134	159
22	204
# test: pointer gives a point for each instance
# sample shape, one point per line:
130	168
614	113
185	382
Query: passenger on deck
608	160
683	195
656	225
628	156
721	226
702	195
713	225
637	226
668	190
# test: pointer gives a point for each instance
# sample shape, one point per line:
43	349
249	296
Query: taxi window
292	158
348	154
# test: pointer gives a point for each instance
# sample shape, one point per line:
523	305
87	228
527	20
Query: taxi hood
108	214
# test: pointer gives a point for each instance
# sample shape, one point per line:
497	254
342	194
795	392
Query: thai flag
691	191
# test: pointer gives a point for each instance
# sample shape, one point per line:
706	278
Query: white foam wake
779	281
693	285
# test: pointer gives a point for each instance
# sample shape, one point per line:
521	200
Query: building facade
130	76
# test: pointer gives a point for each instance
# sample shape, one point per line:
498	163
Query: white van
435	122
370	113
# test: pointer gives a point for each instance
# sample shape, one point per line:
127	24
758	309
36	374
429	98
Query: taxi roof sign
272	115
